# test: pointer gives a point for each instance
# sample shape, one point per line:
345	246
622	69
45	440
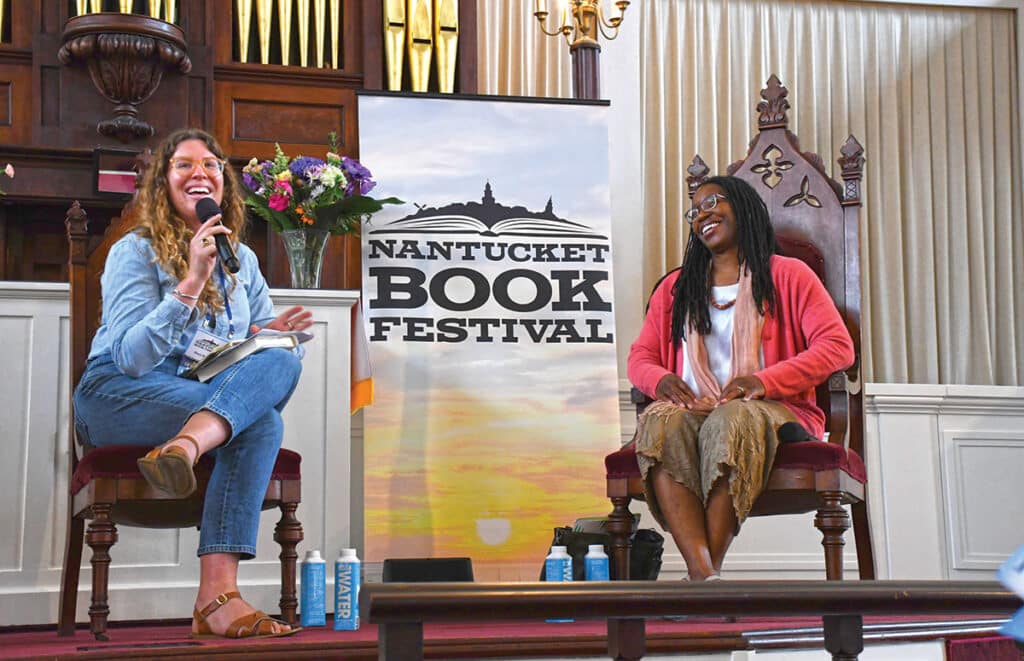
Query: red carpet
443	641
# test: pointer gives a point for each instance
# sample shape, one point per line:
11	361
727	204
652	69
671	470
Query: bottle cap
595	548
348	553
559	549
313	556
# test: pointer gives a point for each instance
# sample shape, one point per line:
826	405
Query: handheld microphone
793	432
206	209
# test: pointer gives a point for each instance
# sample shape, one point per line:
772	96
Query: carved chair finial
852	164
698	173
76	223
772	111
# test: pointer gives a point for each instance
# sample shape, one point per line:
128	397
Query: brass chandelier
581	20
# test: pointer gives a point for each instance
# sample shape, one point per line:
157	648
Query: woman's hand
295	318
673	389
202	253
747	387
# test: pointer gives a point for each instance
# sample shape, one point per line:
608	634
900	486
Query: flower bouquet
306	192
307	199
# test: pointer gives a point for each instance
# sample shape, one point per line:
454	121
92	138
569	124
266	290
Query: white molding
33	291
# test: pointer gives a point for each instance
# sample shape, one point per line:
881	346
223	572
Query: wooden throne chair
105	486
816	220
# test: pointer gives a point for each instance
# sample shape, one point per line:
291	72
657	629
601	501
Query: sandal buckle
222	599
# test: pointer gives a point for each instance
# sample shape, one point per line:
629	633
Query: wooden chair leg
862	538
833	521
100	536
620	527
288	533
69	576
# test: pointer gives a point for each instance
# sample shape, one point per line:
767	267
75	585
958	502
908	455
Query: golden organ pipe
125	6
419	37
446	39
244	16
394	41
335	32
170	11
80	7
97	6
320	14
154	8
284	29
263	20
302	7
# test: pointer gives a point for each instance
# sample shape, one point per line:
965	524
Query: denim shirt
144	325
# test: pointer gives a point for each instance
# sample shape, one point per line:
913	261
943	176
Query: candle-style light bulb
542	7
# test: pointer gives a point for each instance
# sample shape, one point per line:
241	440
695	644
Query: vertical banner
488	303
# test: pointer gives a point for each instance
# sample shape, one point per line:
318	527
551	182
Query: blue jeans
114	409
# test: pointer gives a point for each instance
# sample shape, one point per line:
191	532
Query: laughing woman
164	295
732	347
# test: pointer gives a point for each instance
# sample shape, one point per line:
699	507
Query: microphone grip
227	254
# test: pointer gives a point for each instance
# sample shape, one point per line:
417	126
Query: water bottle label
346	596
558	569
597	569
313	606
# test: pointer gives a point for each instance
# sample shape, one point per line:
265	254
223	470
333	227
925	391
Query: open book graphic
233	351
456	224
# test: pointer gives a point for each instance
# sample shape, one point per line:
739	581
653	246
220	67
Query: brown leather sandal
250	625
168	469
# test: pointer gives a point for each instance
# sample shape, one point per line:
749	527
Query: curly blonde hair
170	235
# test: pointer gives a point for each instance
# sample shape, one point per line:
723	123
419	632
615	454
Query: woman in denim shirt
162	287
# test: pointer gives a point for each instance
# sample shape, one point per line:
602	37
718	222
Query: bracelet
182	294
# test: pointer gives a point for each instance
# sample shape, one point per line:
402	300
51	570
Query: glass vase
305	248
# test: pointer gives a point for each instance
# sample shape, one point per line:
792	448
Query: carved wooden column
126	55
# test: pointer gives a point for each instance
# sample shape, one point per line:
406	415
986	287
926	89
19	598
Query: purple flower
358	176
250	182
301	164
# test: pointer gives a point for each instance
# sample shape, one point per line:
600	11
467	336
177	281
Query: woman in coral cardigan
732	347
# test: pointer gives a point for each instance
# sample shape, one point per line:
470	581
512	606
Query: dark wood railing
400	609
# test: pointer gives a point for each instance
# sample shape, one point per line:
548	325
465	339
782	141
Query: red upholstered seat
118	462
812	455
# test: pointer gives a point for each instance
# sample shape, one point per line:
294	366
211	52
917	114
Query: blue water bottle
313	599
595	563
346	591
558	567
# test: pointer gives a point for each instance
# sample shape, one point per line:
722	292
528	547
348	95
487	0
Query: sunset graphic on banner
488	306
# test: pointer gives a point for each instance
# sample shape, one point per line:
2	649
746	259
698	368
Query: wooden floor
169	640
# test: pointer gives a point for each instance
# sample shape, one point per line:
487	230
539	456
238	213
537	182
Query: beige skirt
697	448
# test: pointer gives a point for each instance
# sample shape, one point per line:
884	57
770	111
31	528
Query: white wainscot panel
34	320
945	464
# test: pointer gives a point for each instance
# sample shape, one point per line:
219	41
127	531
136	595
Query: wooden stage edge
167	640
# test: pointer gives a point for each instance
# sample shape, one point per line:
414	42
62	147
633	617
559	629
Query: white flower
9	171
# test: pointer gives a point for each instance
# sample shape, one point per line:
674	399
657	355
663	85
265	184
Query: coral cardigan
802	344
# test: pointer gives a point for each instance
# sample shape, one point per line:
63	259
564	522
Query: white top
718	342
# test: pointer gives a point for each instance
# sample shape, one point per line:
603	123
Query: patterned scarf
746	342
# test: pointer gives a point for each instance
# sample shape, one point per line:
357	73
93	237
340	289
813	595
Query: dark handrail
401	608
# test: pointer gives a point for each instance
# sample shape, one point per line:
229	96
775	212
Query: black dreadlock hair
692	290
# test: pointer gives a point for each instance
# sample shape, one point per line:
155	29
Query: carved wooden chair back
105	486
816	219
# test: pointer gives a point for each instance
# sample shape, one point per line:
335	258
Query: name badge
202	345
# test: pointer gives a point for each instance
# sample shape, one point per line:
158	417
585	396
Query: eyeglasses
213	167
707	204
